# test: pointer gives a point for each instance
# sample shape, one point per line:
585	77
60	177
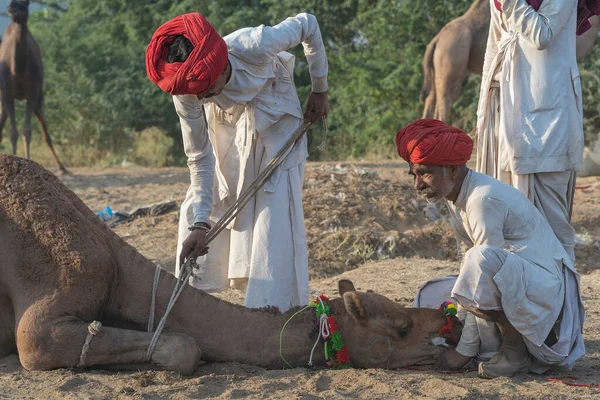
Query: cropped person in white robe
250	117
530	115
515	275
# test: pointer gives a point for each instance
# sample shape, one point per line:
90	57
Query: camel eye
403	332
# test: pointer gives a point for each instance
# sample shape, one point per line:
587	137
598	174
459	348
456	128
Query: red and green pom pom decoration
448	309
336	352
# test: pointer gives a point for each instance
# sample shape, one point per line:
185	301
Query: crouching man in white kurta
252	109
516	274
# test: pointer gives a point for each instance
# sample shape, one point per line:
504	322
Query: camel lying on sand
458	50
62	268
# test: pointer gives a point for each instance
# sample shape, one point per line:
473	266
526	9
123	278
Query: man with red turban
515	277
238	106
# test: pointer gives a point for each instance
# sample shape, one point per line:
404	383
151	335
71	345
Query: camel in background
62	268
458	50
21	78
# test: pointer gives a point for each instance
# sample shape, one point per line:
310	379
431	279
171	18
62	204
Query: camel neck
227	332
17	32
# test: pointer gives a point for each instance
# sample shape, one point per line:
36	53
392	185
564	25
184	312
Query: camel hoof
176	352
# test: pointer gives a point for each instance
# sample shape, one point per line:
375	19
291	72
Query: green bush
152	147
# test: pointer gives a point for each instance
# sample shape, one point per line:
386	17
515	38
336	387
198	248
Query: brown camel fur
62	268
22	78
458	50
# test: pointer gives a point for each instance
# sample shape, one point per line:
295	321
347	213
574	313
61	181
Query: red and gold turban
203	65
429	141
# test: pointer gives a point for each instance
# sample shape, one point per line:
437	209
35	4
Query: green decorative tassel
336	341
322	309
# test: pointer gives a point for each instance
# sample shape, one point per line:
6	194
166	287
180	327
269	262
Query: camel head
18	10
380	333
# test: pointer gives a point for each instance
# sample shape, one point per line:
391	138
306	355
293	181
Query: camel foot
176	352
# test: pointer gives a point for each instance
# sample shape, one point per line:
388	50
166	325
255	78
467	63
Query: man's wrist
205	226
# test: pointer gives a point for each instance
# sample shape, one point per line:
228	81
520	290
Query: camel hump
57	239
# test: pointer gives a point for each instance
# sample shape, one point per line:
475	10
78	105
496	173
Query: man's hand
451	360
316	106
194	245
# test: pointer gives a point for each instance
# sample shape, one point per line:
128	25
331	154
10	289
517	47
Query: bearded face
433	182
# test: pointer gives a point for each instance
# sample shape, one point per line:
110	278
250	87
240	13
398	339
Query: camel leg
448	94
7	327
429	109
48	342
2	122
39	113
8	104
27	129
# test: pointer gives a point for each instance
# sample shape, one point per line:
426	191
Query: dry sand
363	223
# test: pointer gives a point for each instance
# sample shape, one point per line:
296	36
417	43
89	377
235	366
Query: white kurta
531	56
248	123
536	280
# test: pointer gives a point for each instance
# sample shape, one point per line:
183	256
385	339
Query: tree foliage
98	95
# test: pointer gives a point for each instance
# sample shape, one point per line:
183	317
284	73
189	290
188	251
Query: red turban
429	141
202	67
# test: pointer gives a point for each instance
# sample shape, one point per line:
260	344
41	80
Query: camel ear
345	285
354	308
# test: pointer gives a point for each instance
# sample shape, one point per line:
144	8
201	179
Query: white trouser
475	287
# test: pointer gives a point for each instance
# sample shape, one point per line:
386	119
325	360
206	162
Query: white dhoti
551	192
266	245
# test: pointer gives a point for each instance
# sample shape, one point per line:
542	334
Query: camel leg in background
448	91
8	104
39	113
27	128
2	122
110	346
7	327
429	109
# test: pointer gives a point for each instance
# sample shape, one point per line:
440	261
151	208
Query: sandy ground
363	223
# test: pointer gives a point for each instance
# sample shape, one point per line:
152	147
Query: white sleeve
199	152
486	218
538	27
303	28
468	345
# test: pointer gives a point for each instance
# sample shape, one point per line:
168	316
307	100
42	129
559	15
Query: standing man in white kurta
515	274
530	117
244	85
